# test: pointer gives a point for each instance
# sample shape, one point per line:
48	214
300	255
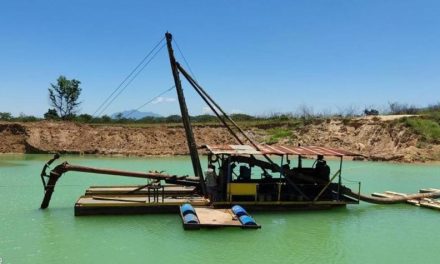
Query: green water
357	234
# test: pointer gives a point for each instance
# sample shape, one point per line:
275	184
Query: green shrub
429	129
278	133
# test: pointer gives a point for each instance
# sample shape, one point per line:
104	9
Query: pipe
59	170
393	200
150	175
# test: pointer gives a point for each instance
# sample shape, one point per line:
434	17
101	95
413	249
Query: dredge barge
258	177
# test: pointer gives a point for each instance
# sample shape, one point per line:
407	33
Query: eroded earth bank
375	138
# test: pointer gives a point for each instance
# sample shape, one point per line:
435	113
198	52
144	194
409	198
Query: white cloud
160	100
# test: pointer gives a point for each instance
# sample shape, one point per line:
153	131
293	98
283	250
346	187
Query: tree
26	118
106	119
5	116
64	97
173	119
51	114
84	118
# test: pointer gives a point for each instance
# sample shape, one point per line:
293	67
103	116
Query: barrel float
238	210
190	218
187	209
247	220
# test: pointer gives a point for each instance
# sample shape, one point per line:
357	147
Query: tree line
64	101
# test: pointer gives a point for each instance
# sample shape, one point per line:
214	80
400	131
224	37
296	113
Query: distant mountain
135	114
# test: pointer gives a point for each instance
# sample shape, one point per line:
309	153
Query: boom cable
128	76
131	80
184	59
150	101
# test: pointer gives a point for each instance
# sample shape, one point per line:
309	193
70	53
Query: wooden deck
285	205
133	199
139	204
215	218
132	204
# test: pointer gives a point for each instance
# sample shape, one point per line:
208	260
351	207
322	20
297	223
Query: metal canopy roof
276	150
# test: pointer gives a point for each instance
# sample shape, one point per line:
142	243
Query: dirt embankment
377	139
66	137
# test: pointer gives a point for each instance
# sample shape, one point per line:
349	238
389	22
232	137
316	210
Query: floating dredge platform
144	199
259	177
195	211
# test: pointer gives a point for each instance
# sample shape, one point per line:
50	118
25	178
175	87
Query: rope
151	100
184	59
131	80
128	76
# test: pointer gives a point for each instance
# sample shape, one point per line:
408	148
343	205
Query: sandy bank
377	139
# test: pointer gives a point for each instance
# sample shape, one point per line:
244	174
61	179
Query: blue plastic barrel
247	220
190	219
187	209
238	210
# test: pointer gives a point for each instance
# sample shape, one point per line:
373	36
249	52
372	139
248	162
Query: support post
54	175
327	185
340	179
185	116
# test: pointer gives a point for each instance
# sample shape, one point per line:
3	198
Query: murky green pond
357	234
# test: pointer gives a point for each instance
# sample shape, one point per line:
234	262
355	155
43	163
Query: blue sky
256	57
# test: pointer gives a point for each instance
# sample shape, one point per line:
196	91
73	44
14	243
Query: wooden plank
122	186
396	193
410	201
106	198
430	203
119	190
216	217
425	202
213	218
282	203
428	190
127	201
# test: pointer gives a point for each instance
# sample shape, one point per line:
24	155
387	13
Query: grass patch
275	134
429	129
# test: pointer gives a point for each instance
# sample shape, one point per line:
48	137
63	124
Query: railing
353	185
